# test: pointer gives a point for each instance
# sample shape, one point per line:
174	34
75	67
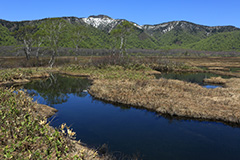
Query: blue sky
205	12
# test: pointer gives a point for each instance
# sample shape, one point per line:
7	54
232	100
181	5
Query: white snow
96	22
138	26
168	29
162	25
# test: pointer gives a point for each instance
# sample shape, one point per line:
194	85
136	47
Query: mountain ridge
105	17
172	34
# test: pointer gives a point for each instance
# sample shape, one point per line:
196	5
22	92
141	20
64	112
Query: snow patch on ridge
138	26
96	22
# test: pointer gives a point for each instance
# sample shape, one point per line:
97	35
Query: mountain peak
100	16
101	21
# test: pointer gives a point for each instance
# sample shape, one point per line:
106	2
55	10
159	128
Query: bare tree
25	35
38	40
53	29
122	32
78	34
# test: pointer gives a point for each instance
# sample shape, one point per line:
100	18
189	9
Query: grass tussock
215	80
25	133
174	97
231	74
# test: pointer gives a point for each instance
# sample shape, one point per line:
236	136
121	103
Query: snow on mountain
102	22
106	23
97	21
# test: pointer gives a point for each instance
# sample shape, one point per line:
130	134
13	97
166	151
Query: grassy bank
174	97
25	133
111	72
22	75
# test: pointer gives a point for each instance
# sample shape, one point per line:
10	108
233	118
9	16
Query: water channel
131	131
192	77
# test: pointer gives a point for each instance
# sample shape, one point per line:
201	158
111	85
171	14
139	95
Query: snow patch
138	26
168	29
96	22
162	25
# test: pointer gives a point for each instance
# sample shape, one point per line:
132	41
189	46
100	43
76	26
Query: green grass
25	135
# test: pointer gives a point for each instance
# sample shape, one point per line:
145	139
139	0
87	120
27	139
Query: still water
130	131
192	77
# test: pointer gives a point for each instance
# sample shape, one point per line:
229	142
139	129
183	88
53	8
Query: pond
131	131
192	77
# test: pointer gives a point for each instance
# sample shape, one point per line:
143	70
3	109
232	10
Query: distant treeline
18	51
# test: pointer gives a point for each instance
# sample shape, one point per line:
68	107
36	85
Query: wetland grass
174	97
139	88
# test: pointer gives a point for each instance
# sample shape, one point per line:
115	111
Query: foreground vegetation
25	133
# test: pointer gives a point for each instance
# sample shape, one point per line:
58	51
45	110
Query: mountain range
168	35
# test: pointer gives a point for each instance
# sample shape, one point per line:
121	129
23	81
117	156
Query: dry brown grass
219	68
22	75
174	97
215	80
210	61
232	74
216	65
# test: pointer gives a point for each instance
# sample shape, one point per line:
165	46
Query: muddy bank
174	97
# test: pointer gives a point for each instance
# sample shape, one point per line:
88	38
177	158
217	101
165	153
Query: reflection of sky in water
192	77
211	86
137	131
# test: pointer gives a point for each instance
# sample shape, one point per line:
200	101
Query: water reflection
191	77
56	89
131	131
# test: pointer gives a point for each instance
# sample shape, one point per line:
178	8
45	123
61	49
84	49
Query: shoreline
168	116
108	90
206	105
44	112
23	80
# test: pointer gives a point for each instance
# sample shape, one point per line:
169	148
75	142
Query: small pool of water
192	77
131	131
